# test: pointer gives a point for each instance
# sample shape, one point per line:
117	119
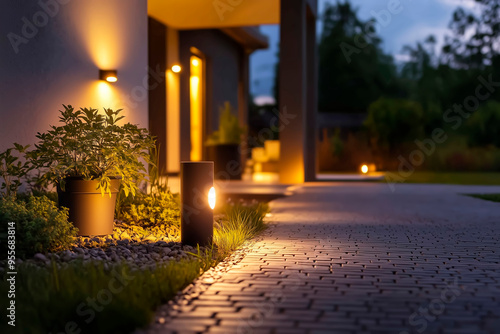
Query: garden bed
113	284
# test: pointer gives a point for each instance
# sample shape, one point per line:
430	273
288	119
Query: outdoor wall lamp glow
176	68
108	75
197	202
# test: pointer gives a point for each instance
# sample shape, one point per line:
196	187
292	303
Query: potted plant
223	145
88	157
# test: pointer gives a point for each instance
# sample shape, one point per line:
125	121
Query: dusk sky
417	20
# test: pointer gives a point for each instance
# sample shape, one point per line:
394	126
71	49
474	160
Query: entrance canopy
203	14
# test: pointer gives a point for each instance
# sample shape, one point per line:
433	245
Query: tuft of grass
487	197
240	224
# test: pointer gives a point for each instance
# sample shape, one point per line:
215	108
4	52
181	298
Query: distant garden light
364	169
197	202
176	68
108	75
368	168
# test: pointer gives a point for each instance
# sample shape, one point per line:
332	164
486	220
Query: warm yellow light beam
364	169
196	96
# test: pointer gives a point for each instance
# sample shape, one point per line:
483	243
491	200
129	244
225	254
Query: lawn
464	178
488	197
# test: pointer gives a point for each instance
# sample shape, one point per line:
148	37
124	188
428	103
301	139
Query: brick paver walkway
358	258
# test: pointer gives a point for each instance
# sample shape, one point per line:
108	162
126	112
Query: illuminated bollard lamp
197	202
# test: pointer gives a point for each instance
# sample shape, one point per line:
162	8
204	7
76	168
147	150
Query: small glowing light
176	68
195	62
108	75
211	198
364	169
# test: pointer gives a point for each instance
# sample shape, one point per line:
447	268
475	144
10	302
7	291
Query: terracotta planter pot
227	161
89	211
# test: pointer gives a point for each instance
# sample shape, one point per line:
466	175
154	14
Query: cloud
468	4
402	58
420	32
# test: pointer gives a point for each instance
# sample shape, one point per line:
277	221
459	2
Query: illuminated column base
197	202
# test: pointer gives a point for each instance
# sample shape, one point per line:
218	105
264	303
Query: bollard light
197	202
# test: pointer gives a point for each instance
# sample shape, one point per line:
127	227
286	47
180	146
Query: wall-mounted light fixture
108	75
176	68
197	202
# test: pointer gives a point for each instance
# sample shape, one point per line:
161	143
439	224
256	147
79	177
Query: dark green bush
391	122
40	226
483	126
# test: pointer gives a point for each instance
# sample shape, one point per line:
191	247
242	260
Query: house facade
177	61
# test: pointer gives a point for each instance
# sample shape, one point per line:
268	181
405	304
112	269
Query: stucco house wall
51	52
223	60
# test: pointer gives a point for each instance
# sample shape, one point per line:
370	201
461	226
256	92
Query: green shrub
40	226
391	122
229	131
483	126
153	209
157	212
13	170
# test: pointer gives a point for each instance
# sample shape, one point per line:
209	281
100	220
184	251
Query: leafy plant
13	170
156	211
39	226
92	146
229	131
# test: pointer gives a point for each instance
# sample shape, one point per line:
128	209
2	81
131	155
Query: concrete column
297	148
243	89
311	162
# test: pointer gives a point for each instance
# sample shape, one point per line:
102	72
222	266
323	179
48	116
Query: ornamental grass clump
240	223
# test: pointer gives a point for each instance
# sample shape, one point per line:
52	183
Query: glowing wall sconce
176	68
108	75
197	202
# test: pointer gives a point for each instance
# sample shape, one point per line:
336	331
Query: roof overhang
203	14
249	37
